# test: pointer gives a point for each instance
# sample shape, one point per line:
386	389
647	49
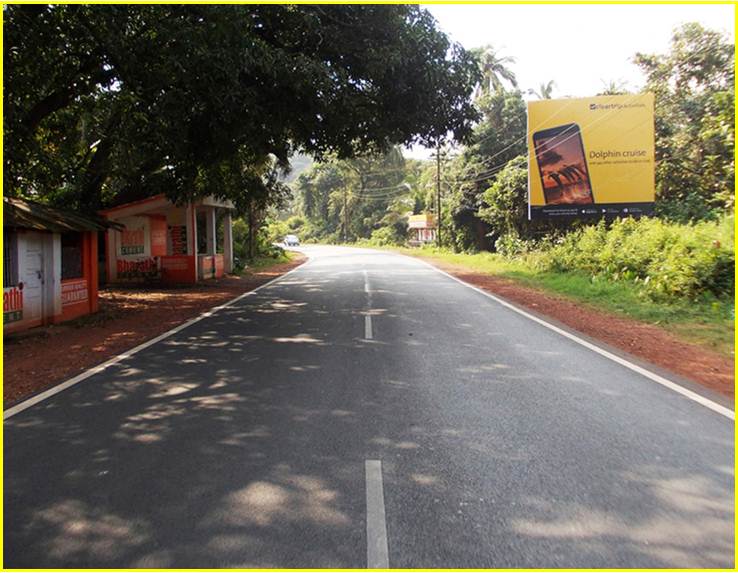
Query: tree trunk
252	231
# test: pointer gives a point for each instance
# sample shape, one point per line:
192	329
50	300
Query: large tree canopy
694	85
105	103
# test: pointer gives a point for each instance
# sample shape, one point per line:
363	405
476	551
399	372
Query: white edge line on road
100	367
714	406
377	552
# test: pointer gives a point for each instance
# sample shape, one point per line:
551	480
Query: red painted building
157	239
50	269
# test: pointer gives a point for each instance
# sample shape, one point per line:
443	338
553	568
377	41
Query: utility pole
438	192
345	215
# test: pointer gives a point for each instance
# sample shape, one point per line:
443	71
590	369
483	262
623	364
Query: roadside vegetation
110	104
705	319
100	113
675	269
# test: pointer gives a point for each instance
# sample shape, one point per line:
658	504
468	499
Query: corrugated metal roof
24	214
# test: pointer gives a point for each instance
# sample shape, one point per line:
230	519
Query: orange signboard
73	292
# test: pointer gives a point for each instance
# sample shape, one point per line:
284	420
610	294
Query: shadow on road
240	442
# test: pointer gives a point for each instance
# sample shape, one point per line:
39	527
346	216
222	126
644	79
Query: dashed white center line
377	552
368	334
368	327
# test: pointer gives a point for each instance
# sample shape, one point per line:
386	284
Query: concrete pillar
227	242
211	235
51	288
191	217
111	255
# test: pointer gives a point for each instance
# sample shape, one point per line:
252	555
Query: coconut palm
494	70
614	87
544	91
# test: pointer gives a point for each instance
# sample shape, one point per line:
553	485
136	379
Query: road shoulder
689	364
128	317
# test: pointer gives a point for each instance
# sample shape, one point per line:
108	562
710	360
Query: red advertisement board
158	236
74	291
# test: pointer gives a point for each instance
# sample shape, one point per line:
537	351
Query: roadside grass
263	261
708	322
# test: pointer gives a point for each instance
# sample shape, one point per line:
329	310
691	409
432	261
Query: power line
549	118
487	174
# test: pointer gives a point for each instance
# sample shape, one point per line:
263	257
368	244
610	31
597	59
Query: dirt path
646	341
46	356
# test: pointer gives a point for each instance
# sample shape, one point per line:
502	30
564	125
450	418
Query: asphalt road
491	442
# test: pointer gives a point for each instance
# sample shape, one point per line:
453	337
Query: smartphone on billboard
562	165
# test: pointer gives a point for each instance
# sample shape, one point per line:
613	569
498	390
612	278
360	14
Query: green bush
296	223
668	259
511	245
506	201
383	237
275	231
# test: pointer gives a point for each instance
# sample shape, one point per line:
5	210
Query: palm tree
544	91
494	69
614	87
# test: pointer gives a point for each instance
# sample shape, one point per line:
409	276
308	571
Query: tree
498	139
694	88
106	103
494	70
506	200
345	200
614	87
544	91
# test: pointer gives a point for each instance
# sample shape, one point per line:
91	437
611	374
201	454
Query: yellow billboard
591	157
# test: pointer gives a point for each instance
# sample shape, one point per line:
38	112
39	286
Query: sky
580	47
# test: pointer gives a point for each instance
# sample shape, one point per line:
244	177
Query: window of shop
71	255
10	258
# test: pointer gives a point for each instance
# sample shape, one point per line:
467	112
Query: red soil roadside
47	356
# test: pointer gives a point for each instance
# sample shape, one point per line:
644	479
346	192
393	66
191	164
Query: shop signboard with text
591	157
74	291
143	268
132	241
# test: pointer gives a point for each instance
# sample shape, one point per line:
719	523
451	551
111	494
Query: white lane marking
377	552
714	406
128	353
368	327
368	335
